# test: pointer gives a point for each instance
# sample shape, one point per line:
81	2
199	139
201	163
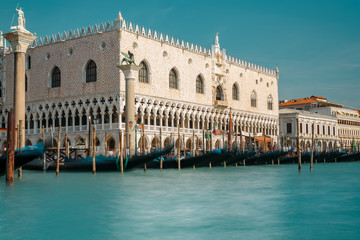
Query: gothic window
26	83
91	72
29	62
199	85
143	73
253	99
219	94
270	102
173	79
235	92
55	78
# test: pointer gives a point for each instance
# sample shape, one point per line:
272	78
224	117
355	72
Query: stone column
19	40
131	73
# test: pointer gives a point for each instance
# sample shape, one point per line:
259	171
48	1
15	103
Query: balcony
219	103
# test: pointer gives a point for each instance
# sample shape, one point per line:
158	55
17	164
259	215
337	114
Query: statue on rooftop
128	58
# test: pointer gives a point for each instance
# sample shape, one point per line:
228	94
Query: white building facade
325	130
74	75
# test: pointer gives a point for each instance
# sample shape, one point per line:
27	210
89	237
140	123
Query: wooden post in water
143	144
312	146
264	141
21	133
90	137
10	148
105	144
193	144
161	157
244	162
121	152
93	153
278	161
58	151
179	139
298	143
44	154
203	145
66	145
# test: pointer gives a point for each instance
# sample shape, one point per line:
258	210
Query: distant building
348	119
306	103
325	130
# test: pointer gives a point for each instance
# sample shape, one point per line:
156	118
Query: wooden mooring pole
106	147
298	143
179	139
19	170
58	151
93	153
161	157
66	145
10	148
121	152
312	146
44	155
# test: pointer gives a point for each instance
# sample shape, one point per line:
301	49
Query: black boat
22	156
187	162
103	163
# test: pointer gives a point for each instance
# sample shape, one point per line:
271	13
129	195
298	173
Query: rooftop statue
128	58
21	21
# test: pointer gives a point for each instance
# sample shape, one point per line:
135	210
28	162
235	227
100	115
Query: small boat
22	156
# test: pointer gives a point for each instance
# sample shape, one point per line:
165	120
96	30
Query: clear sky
315	43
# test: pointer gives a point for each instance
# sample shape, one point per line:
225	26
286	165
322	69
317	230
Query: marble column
19	40
131	73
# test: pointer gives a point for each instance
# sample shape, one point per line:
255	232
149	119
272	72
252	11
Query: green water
254	202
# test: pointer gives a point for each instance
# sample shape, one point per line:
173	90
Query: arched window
173	79
55	78
270	102
199	85
29	62
219	94
143	73
91	72
253	99
26	83
235	92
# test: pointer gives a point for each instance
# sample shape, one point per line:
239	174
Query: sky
314	43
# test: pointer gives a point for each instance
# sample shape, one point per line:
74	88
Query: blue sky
315	44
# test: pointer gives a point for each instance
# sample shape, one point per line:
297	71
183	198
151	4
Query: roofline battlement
120	24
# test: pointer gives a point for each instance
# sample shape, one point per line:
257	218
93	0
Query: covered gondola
22	156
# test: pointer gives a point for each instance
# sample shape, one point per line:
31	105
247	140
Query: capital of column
130	71
19	40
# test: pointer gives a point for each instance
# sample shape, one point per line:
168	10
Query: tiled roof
298	101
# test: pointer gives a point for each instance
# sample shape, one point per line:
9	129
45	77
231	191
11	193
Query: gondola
187	162
103	163
22	156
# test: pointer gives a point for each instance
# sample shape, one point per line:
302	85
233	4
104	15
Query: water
255	202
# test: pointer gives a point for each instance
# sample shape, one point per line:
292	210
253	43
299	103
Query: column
131	73
19	40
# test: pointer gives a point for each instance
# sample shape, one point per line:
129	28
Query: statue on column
128	58
21	22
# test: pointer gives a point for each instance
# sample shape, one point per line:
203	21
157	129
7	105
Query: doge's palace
74	75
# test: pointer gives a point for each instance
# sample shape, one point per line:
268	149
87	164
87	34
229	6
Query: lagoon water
253	202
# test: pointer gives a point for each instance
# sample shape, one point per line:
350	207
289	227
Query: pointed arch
270	102
235	92
173	79
199	84
144	72
253	99
55	77
90	71
219	93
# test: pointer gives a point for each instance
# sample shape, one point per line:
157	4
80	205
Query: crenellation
167	39
161	38
149	33
143	31
137	29
64	36
182	44
172	41
89	31
177	43
130	27
95	29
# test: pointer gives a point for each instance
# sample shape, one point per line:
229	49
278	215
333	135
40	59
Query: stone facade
325	130
157	104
